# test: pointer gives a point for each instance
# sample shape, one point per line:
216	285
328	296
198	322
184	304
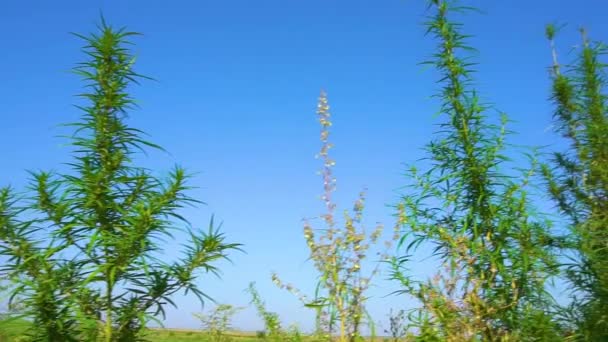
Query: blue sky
235	102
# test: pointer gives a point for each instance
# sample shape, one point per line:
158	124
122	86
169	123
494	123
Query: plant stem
108	327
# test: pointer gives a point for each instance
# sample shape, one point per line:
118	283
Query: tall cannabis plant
86	266
578	179
338	253
477	215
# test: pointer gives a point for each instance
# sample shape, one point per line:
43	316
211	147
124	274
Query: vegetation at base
218	322
15	330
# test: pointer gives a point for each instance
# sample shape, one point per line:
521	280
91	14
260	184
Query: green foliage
273	331
85	266
578	181
14	331
272	322
218	322
478	218
82	248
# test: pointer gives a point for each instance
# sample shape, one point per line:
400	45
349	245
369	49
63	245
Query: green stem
108	326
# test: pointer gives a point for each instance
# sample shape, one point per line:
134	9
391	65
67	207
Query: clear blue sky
235	101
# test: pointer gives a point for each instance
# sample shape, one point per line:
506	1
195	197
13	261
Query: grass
178	335
11	331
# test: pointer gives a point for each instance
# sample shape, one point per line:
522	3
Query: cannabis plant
477	215
578	180
83	246
338	253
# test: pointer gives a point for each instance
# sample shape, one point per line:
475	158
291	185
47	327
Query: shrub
218	322
272	323
339	254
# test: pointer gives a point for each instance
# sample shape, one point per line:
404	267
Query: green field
174	335
15	330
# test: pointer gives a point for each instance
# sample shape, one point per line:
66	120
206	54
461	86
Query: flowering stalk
338	253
